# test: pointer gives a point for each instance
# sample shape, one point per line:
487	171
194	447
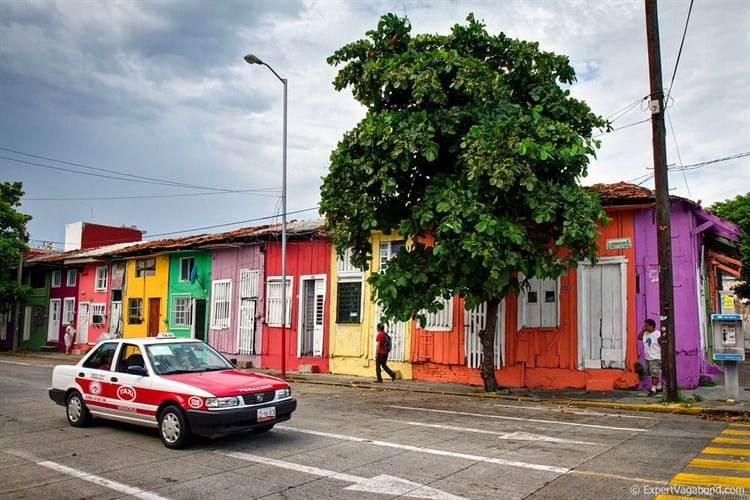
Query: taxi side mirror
137	370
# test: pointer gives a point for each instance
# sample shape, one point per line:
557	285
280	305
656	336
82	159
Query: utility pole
14	342
661	186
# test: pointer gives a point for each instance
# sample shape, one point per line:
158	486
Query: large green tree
470	139
737	210
13	242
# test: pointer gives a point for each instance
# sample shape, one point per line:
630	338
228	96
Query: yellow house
354	317
145	296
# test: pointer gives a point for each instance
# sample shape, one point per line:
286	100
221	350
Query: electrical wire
679	53
696	166
124	176
677	148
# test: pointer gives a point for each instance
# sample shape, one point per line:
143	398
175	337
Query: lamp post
251	59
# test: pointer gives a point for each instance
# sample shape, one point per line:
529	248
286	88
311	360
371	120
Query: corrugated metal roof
621	193
295	230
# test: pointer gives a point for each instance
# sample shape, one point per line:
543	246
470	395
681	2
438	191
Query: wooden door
154	305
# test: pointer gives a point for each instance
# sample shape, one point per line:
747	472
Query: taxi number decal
195	402
126	393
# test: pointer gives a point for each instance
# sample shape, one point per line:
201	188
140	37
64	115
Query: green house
188	293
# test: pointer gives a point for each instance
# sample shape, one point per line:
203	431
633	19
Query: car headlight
283	393
226	402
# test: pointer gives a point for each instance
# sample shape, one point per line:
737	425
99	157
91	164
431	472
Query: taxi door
130	387
94	378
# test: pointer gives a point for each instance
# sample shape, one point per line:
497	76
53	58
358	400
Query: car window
101	357
184	357
130	355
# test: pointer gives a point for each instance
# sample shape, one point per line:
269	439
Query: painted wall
304	258
353	345
87	293
685	265
198	290
145	288
33	318
538	357
61	293
226	263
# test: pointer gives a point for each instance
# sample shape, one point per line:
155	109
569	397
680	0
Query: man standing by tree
472	151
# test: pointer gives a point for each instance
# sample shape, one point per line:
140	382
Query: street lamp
251	59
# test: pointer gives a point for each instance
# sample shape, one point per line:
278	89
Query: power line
130	177
257	192
702	164
623	127
679	53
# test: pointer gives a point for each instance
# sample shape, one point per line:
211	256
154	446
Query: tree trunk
487	337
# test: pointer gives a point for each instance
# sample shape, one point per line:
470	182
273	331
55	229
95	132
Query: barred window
221	292
273	301
98	311
441	320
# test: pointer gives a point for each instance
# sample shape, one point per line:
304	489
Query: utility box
729	341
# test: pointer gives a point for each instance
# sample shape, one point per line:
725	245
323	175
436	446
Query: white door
53	326
26	323
83	323
602	307
246	327
312	309
115	319
474	321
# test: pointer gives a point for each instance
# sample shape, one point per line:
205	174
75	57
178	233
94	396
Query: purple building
699	241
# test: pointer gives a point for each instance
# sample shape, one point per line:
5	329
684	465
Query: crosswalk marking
730	440
713	450
710	480
736	432
730	471
711	463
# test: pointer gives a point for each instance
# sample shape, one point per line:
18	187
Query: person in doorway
70	336
652	350
383	341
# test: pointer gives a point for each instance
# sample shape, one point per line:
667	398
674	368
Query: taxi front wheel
174	429
76	411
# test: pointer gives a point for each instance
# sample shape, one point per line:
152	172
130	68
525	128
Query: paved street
353	442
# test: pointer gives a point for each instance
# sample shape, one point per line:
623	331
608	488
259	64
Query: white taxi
180	386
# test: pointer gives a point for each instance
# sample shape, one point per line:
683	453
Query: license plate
266	413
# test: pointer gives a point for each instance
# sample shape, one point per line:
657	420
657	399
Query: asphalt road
349	443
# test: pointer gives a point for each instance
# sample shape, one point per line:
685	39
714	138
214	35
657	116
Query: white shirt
651	346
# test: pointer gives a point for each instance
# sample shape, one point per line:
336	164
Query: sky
144	113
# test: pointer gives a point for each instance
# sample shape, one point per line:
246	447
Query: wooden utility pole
661	186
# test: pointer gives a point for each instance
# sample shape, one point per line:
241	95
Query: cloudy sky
144	113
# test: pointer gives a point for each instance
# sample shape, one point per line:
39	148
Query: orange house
577	331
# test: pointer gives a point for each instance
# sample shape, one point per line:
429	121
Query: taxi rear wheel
174	429
76	411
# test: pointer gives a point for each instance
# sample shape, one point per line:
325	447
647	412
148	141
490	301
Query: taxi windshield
185	357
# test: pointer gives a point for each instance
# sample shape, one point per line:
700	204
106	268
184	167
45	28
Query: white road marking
15	363
519	419
431	451
513	436
383	484
92	478
574	412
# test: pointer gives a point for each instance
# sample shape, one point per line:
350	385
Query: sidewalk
708	401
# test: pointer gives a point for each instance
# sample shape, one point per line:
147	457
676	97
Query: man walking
383	341
652	350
